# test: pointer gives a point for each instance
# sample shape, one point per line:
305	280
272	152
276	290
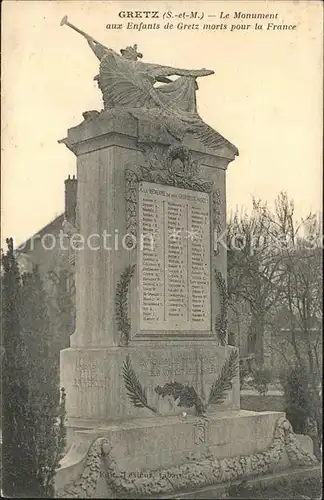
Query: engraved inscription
174	259
156	367
170	367
89	374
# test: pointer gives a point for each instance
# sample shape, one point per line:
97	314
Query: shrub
295	383
261	378
244	372
33	413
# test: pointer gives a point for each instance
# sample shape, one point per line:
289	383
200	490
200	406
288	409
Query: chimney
71	199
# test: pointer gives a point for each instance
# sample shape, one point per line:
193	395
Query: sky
265	96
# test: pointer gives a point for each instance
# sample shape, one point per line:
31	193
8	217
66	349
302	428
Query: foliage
301	292
253	270
33	415
261	378
121	304
14	389
244	372
295	383
275	267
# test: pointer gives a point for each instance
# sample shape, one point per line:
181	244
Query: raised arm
97	48
158	71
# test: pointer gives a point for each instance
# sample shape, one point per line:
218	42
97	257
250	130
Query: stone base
94	378
144	448
164	442
140	443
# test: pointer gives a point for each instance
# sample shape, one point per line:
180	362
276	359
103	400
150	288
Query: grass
262	403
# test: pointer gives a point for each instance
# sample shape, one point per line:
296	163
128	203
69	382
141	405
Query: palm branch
224	383
135	391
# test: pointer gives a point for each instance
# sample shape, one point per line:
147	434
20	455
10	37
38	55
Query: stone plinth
94	383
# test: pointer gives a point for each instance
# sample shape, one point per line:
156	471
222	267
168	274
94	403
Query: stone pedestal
151	323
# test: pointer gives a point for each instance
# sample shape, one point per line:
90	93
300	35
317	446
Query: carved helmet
131	53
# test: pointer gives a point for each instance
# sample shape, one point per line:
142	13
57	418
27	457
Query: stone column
103	149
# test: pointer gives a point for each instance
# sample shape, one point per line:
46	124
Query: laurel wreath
121	304
185	395
222	319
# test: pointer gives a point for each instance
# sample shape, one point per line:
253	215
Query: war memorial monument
153	395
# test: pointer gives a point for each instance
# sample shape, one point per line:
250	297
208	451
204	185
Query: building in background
48	250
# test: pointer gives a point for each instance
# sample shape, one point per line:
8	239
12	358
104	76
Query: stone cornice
120	128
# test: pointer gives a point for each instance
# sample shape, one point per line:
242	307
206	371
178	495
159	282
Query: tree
14	383
295	383
275	265
253	271
301	291
34	431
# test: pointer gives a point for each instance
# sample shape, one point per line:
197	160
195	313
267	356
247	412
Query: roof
49	228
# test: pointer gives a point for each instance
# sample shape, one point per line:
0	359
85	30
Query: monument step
173	454
167	441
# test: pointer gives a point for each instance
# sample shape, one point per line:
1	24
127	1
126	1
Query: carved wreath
202	470
185	395
121	305
174	168
221	321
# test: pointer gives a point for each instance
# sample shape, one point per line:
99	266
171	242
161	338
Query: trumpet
64	21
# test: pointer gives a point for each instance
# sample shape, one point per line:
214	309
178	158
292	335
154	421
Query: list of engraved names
174	259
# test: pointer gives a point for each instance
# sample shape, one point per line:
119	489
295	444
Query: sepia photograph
161	249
